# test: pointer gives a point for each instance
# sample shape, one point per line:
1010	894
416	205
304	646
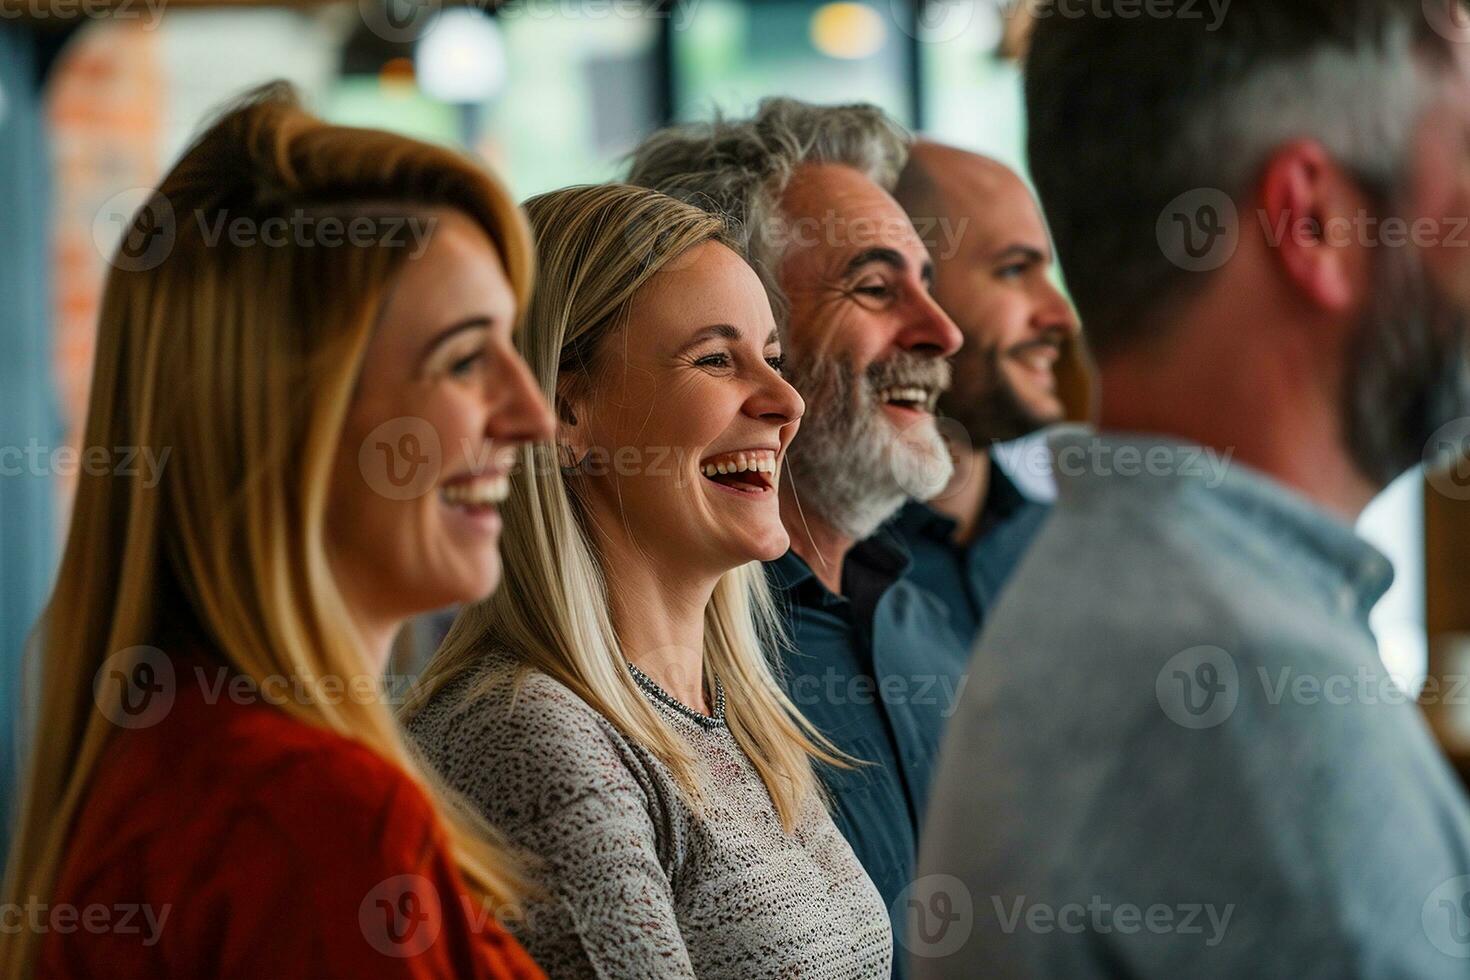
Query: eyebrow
723	330
454	330
890	257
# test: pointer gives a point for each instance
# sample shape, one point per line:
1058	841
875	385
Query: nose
1054	312
927	329
774	400
519	411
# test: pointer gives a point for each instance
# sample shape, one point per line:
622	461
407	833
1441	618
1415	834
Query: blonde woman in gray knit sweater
611	709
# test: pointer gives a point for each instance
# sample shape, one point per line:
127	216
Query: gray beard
848	464
1409	372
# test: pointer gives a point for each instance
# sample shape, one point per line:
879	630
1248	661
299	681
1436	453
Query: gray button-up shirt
1179	754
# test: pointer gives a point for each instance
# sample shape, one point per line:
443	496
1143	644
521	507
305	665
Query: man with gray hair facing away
873	663
1180	754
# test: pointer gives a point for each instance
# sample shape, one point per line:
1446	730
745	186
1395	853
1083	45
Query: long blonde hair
241	361
596	247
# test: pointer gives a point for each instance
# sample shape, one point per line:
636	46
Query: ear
1313	217
571	425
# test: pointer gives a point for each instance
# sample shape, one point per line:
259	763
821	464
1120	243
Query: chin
1047	411
750	544
770	546
477	586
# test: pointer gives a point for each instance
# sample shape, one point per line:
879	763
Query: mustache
1054	337
907	369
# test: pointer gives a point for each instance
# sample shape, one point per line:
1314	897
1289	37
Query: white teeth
478	492
757	462
915	395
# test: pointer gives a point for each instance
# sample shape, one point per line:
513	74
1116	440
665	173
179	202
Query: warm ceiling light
848	30
461	57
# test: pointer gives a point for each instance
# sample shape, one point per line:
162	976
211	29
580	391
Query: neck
819	544
964	498
377	639
658	614
375	629
1280	415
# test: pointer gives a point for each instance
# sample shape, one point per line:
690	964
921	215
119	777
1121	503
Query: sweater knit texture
637	882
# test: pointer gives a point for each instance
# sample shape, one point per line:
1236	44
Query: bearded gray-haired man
873	661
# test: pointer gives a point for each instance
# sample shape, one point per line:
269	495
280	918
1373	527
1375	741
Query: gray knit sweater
639	885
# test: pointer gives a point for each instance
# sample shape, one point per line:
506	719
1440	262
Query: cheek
865	337
992	322
460	418
1442	207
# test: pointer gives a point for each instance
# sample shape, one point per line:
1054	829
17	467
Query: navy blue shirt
967	578
879	672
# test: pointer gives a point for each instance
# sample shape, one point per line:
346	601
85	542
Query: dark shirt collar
1002	500
881	559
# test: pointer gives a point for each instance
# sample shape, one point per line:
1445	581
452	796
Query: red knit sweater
230	840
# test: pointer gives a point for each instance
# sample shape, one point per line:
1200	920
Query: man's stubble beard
1408	373
988	407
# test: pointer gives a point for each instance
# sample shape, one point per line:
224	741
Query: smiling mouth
476	493
1040	357
915	398
751	471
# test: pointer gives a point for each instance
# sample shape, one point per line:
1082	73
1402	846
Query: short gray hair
740	168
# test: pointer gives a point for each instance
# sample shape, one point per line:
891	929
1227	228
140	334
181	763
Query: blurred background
98	96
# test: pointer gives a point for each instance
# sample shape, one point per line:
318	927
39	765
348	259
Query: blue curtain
29	419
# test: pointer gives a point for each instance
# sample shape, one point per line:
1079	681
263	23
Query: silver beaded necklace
651	688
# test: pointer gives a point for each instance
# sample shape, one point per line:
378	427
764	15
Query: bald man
992	258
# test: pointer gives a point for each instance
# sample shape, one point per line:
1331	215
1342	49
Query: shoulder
502	704
303	804
1113	568
505	733
322	790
